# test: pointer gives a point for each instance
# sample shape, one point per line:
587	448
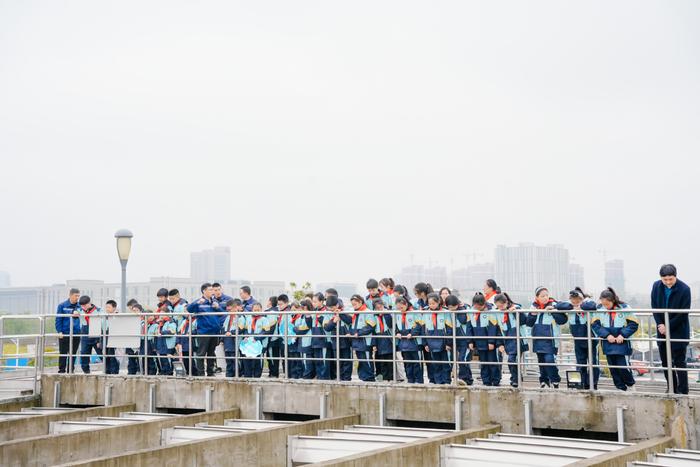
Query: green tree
299	293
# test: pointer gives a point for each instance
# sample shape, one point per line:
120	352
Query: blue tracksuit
186	328
63	321
362	326
578	325
618	322
464	355
484	331
437	329
165	345
545	327
231	325
337	332
405	324
511	324
257	328
384	346
295	365
320	344
88	343
302	328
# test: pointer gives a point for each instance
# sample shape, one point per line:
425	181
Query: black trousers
274	351
680	378
64	343
206	346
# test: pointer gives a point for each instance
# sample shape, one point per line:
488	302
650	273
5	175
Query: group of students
324	337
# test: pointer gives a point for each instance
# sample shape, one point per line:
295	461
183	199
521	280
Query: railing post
518	351
455	364
258	404
589	341
458	412
337	347
108	394
669	360
394	362
57	394
286	317
152	397
528	416
324	406
621	423
382	409
209	398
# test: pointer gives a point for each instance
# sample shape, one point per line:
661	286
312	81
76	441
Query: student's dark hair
320	297
445	288
309	295
306	305
539	290
73	291
387	282
273	300
430	287
501	298
492	283
204	286
132	302
372	284
452	300
246	289
668	270
401	290
610	294
332	291
173	292
578	292
434	297
84	300
234	302
111	302
510	300
162	292
357	298
403	301
422	288
332	300
478	299
216	284
377	302
283	298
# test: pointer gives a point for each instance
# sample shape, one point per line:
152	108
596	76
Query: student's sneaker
514	385
543	385
555	385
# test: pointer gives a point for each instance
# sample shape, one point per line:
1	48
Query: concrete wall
261	448
18	403
620	458
647	416
62	448
37	425
414	454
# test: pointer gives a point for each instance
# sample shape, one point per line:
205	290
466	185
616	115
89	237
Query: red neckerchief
231	317
381	323
390	292
434	321
489	295
541	306
295	317
88	313
175	304
403	318
612	315
184	326
254	321
323	308
354	316
164	320
477	314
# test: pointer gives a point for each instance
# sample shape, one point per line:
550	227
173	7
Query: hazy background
330	141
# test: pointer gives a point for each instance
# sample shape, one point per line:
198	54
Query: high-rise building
615	275
345	289
410	276
519	270
471	279
576	278
4	279
211	265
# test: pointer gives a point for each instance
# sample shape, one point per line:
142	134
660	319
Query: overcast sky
331	140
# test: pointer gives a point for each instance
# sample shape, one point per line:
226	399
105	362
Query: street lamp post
123	237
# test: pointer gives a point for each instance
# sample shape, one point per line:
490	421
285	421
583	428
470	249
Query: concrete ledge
257	448
37	425
621	457
413	454
68	447
16	404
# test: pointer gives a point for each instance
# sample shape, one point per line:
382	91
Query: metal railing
148	358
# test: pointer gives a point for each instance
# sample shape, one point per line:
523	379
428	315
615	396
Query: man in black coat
669	293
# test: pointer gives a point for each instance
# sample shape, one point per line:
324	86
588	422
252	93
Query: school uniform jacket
618	322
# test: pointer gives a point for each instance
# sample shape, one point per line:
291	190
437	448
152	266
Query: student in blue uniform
274	343
437	329
407	326
338	327
545	331
87	310
304	330
319	338
152	362
511	324
615	324
362	327
253	331
232	322
383	346
580	308
186	334
421	291
165	340
111	362
295	364
462	331
483	332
